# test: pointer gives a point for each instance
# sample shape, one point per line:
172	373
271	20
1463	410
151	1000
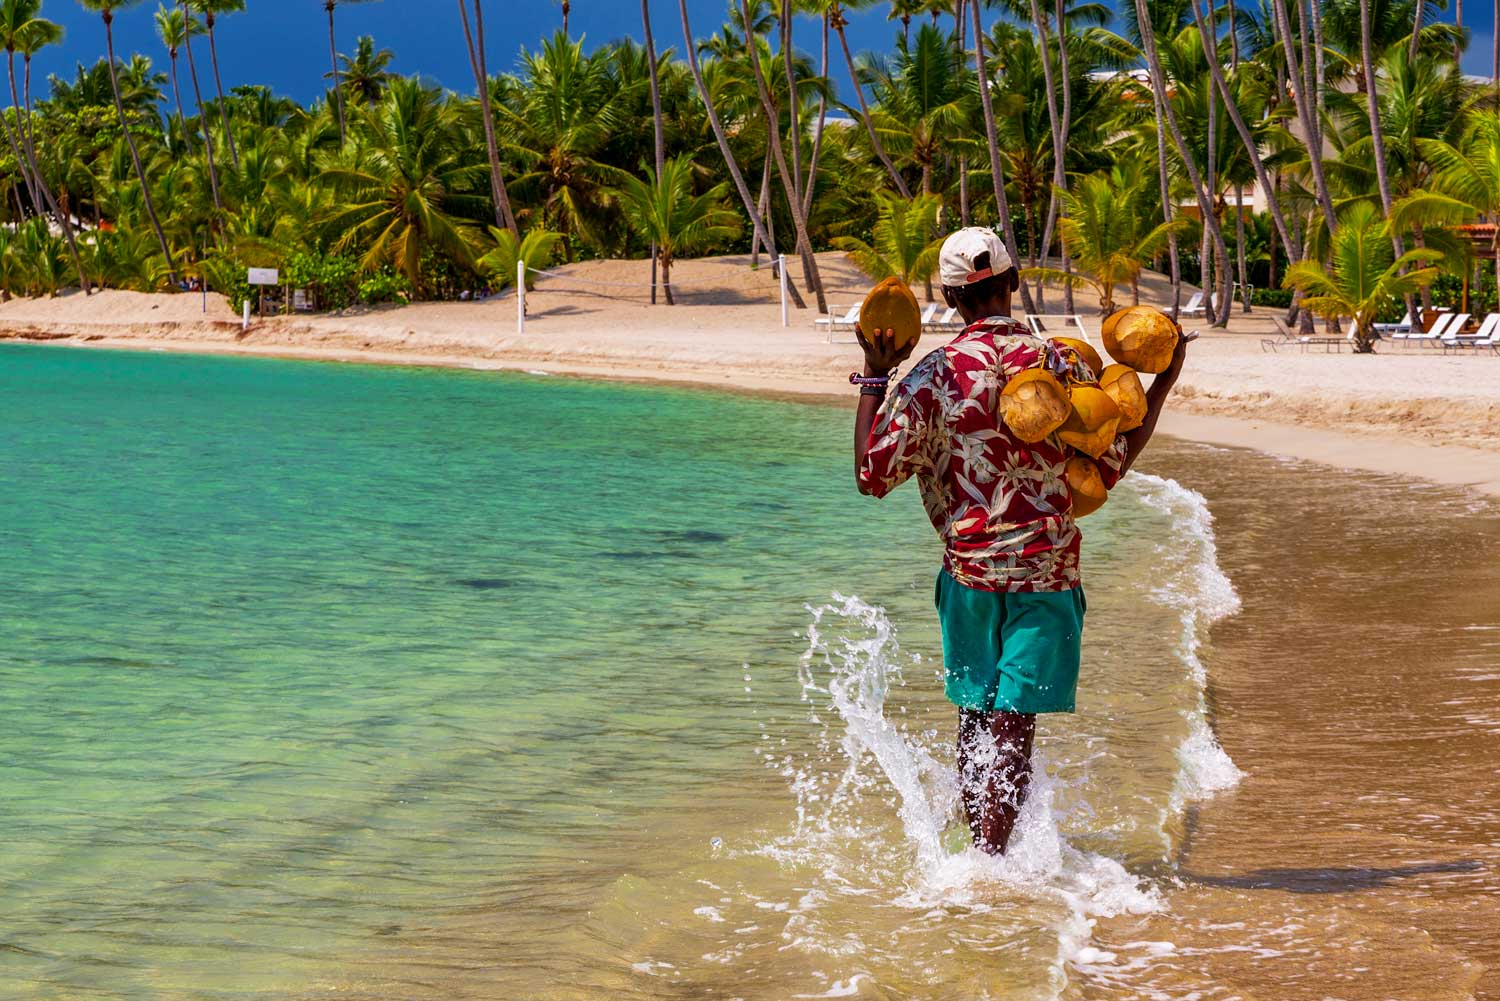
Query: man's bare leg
994	772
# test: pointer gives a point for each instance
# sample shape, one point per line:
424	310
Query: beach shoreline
1423	414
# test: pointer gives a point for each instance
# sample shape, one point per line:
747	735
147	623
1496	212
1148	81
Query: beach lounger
1434	337
1194	306
1483	337
928	314
1302	342
949	322
1395	331
834	322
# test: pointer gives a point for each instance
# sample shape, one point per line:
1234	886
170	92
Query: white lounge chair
949	321
1447	322
1486	334
834	322
928	314
1395	331
1194	306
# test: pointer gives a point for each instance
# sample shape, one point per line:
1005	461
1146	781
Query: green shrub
331	279
385	285
1280	298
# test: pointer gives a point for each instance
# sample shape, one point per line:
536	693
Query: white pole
785	318
520	297
245	318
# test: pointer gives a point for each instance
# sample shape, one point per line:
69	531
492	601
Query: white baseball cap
961	249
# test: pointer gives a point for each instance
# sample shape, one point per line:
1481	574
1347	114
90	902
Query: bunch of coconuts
1088	415
1035	404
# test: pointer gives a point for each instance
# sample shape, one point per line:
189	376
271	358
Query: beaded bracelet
855	379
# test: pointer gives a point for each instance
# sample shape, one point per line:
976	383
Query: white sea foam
853	660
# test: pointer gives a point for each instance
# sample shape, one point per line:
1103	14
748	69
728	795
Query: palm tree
658	140
208	139
837	13
1464	187
903	11
1106	229
172	26
663	208
333	56
1363	275
992	138
903	246
500	264
210	9
566	9
400	198
762	231
788	183
474	40
106	10
365	74
14	15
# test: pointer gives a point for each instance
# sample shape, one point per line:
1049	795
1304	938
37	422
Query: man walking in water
1010	595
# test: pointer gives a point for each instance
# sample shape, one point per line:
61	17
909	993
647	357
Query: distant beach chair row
949	322
1446	333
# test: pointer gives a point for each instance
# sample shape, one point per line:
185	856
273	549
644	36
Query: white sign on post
264	276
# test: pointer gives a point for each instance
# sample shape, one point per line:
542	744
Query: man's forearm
1156	398
864	420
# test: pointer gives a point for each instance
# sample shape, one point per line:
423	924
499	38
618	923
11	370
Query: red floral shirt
1001	506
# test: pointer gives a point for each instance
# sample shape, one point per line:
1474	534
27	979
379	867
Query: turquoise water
399	683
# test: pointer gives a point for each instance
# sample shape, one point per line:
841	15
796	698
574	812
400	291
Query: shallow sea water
344	681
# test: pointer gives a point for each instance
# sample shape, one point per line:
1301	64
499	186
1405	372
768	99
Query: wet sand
1359	689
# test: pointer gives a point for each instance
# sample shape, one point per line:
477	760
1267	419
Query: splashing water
867	749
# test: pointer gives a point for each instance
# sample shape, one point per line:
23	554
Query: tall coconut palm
106	10
367	71
837	13
566	10
1464	187
211	9
788	183
658	143
22	30
1377	132
1363	275
1205	201
398	200
172	26
1307	112
208	139
904	246
762	231
14	16
663	208
992	140
333	57
474	42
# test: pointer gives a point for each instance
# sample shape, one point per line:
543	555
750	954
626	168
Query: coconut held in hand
890	305
1142	337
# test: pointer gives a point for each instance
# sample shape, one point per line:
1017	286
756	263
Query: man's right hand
881	352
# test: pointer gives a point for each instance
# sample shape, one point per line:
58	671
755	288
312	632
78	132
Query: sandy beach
1406	411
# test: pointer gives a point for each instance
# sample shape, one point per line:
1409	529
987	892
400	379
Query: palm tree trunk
659	144
728	154
208	139
187	139
474	40
1377	131
762	203
1252	150
333	56
1305	114
15	144
817	147
864	111
792	102
1234	38
959	23
1066	127
997	172
1458	22
28	140
135	156
1416	31
1166	203
788	180
566	9
1054	119
213	57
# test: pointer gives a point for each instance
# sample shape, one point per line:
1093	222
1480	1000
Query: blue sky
284	43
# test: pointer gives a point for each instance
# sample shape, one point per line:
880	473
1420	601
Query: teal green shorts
1012	652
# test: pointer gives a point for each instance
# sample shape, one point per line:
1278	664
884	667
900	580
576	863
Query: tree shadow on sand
1331	879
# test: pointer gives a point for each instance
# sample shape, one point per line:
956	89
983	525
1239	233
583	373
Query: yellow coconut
1124	387
1085	350
1091	423
1033	405
1086	486
1142	337
890	305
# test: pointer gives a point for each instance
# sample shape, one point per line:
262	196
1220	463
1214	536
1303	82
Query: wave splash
852	662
